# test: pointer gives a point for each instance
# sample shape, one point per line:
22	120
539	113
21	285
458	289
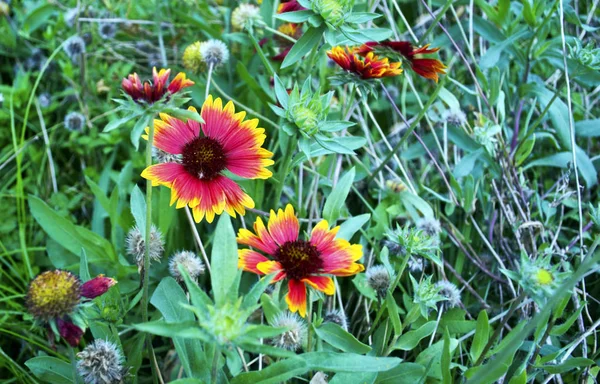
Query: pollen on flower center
53	294
204	158
299	259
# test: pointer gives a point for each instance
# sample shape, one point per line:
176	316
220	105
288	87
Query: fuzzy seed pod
244	16
336	316
214	52
74	121
74	47
190	262
291	339
449	292
430	226
415	264
101	363
107	30
379	279
53	294
136	245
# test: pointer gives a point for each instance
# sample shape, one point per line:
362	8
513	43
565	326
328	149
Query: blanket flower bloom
228	142
302	262
290	6
366	67
151	92
427	68
54	298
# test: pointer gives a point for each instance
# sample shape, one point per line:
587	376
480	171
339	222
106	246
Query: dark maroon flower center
204	158
299	259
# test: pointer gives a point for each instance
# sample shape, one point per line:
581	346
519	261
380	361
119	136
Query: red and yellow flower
427	68
152	91
290	6
225	141
368	66
302	262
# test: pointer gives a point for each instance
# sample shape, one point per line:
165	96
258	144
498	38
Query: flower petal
69	331
164	174
322	283
171	134
215	196
284	225
248	259
268	267
262	240
296	297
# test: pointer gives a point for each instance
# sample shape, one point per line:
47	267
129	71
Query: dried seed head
53	295
291	339
189	261
136	245
214	52
101	363
74	47
244	16
336	316
449	292
454	117
430	226
416	264
379	279
107	30
74	121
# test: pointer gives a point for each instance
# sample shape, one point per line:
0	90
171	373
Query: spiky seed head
449	292
107	30
70	15
291	339
74	121
161	156
430	226
378	278
214	52
53	294
136	245
189	261
336	316
415	264
244	16
74	47
101	363
192	58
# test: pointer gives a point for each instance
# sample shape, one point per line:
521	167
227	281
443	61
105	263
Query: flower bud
97	286
70	332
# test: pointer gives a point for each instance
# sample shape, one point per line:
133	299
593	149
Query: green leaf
281	92
403	373
524	150
572	363
308	41
295	17
70	236
559	330
352	225
588	128
409	340
51	369
36	18
446	359
336	336
183	330
482	334
392	308
138	130
348	362
138	209
252	297
337	197
114	124
269	308
433	355
84	271
223	260
275	373
167	298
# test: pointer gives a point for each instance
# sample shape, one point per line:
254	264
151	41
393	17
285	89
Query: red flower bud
97	286
70	332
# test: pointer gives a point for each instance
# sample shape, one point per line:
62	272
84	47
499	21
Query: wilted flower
336	316
4	10
367	67
378	278
289	6
228	142
136	245
74	121
302	262
427	68
190	263
53	298
107	30
449	292
74	47
151	92
292	338
101	363
245	16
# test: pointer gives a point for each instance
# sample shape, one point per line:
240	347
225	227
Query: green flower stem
284	169
261	54
276	32
309	321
